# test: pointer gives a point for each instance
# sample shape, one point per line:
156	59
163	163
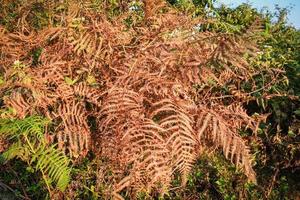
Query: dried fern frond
120	108
180	137
149	156
14	47
150	7
214	127
3	144
161	94
97	41
18	103
152	85
86	44
137	139
74	134
121	100
88	93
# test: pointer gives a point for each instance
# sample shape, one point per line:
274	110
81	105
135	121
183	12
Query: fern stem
29	144
44	176
48	186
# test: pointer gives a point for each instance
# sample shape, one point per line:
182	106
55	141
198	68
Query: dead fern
18	104
73	135
180	137
223	133
155	87
3	144
170	125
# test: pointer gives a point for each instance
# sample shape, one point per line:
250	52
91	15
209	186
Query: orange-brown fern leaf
86	44
82	41
149	84
14	46
52	77
96	42
74	136
151	6
237	117
50	34
230	51
216	128
137	140
120	100
149	155
3	144
180	137
120	108
17	102
90	94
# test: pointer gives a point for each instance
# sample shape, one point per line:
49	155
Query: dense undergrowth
148	100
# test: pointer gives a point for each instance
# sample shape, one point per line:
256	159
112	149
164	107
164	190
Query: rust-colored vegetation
140	86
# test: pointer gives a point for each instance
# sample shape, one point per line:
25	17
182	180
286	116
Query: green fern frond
32	148
15	150
30	126
53	162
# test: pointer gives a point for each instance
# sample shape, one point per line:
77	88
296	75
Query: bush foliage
148	99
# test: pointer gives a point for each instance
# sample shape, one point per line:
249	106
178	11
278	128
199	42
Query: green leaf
15	150
91	80
69	81
31	147
291	134
1	80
